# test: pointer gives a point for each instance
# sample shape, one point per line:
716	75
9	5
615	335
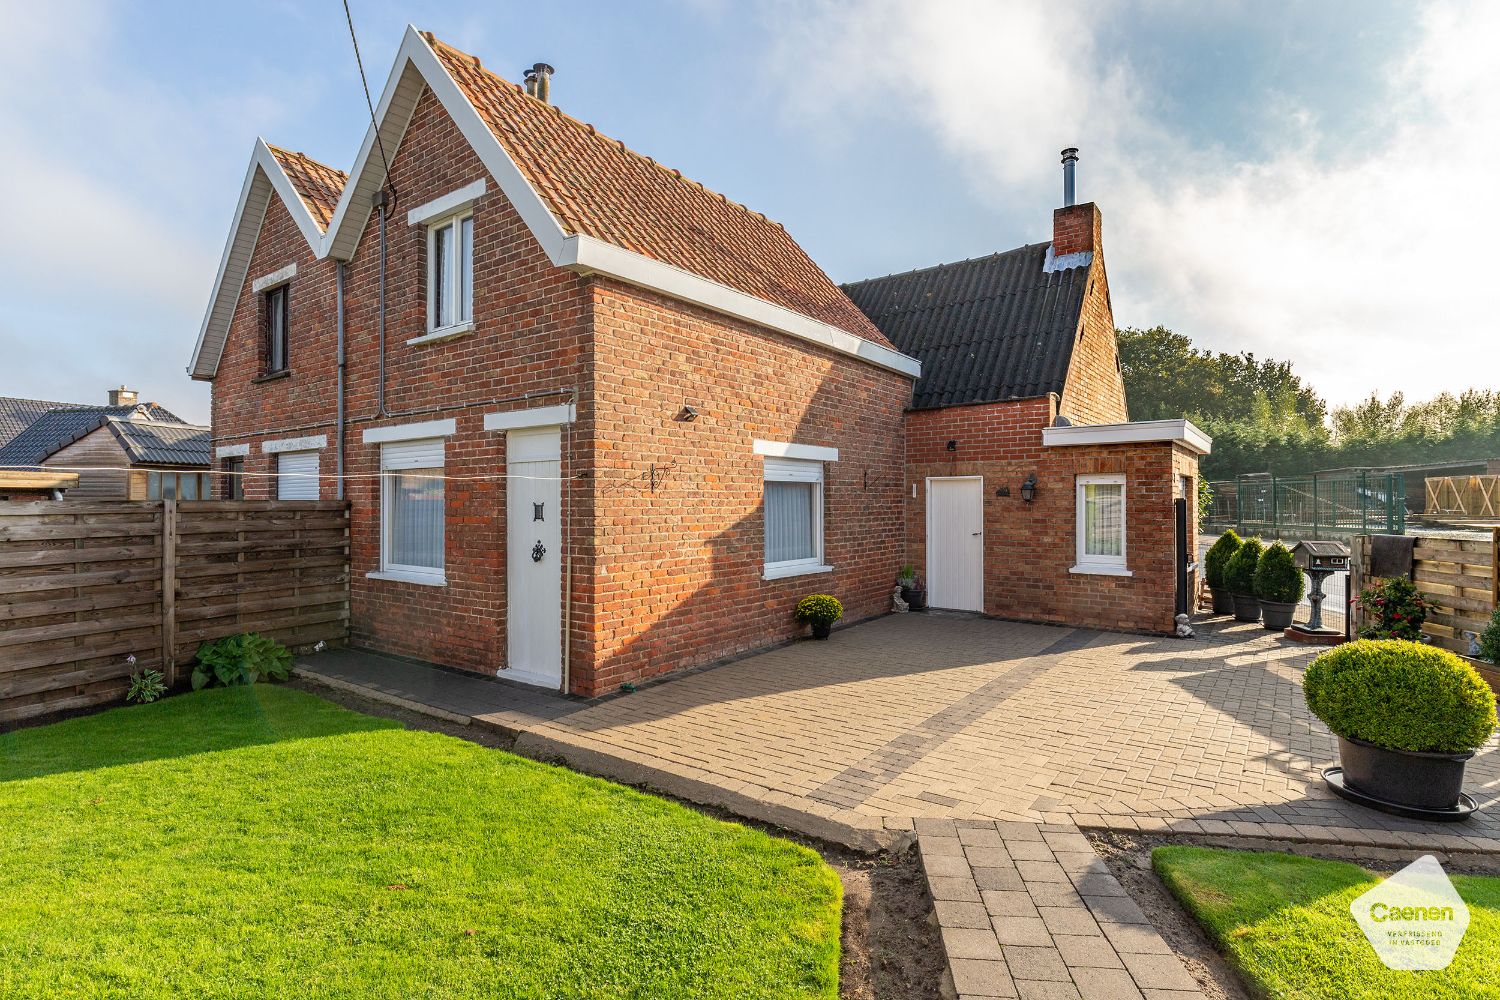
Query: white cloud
1365	269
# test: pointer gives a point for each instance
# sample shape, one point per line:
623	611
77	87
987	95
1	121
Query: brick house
594	421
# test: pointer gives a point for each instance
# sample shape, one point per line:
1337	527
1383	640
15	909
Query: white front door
955	543
533	570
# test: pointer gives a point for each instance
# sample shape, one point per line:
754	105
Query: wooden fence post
1495	567
169	591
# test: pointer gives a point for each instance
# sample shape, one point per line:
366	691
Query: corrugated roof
988	329
318	184
58	428
151	443
17	414
597	187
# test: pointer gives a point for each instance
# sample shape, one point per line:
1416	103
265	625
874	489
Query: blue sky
1300	180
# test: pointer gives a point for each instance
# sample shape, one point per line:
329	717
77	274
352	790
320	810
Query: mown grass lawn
1283	920
262	842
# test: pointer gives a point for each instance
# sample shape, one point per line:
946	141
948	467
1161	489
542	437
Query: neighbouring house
596	422
124	450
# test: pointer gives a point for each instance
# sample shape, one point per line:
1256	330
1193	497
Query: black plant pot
1246	608
1276	614
1403	778
915	597
822	631
1223	601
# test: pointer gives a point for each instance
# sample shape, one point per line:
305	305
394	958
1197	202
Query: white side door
955	543
533	562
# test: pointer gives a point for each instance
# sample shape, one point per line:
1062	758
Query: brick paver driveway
965	717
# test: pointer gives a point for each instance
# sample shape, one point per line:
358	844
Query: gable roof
993	328
60	427
592	205
317	184
17	414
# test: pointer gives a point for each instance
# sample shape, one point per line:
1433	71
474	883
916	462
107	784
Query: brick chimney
1075	228
122	397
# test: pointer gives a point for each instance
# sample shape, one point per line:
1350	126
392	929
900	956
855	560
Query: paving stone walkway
1029	910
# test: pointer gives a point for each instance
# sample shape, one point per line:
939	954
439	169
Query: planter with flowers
1408	717
1239	577
820	611
1395	609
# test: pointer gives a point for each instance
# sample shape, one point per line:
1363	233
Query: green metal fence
1311	506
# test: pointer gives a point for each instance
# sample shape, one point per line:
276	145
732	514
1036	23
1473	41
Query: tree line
1265	418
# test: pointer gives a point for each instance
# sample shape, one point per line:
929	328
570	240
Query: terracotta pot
1246	608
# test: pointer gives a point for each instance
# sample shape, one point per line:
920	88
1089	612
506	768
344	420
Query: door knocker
536	511
537	551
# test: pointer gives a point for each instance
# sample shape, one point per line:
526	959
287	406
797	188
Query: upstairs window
450	273
277	318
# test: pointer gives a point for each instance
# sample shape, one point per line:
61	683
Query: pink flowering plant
1396	610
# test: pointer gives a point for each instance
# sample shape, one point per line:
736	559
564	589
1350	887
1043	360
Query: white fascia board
537	416
312	443
249	214
231	451
586	254
411	432
1182	432
449	204
807	452
273	279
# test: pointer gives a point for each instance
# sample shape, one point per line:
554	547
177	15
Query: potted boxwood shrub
1213	568
820	611
1397	610
1408	717
1239	577
1279	585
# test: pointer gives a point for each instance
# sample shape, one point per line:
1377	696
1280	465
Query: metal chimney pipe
1069	157
543	74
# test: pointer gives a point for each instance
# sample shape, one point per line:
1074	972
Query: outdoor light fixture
952	445
1028	488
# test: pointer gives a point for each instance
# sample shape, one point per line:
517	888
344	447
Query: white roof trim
449	204
537	416
274	278
1182	432
807	452
418	66
294	444
411	432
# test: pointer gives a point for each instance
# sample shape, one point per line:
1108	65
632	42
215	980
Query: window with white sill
413	503
794	517
1101	525
450	273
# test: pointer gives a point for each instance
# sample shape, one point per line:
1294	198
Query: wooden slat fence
1460	577
84	585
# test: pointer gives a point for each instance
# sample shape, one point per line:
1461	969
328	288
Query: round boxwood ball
1401	695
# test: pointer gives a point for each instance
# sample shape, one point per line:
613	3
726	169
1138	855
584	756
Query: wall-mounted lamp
687	414
952	445
1028	488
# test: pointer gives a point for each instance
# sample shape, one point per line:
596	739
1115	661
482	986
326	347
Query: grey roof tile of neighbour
164	444
59	427
988	329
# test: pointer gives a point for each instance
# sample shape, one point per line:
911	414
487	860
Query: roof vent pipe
1069	157
539	82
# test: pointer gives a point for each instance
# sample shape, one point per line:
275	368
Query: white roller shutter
297	475
426	454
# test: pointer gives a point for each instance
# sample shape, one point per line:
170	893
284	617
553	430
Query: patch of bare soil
1129	860
891	949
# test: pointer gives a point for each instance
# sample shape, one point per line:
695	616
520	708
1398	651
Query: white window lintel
231	451
537	416
449	204
312	443
806	452
411	432
273	279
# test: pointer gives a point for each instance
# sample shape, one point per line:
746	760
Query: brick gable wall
1094	392
1029	548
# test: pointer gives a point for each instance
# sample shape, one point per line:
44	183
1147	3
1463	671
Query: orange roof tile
597	187
319	185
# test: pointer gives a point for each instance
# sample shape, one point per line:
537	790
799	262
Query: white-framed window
794	517
297	475
450	272
1101	525
412	511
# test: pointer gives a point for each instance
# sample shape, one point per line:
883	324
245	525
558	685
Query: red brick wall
1029	548
678	580
1094	392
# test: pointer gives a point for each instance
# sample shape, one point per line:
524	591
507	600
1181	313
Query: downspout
339	432
380	206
